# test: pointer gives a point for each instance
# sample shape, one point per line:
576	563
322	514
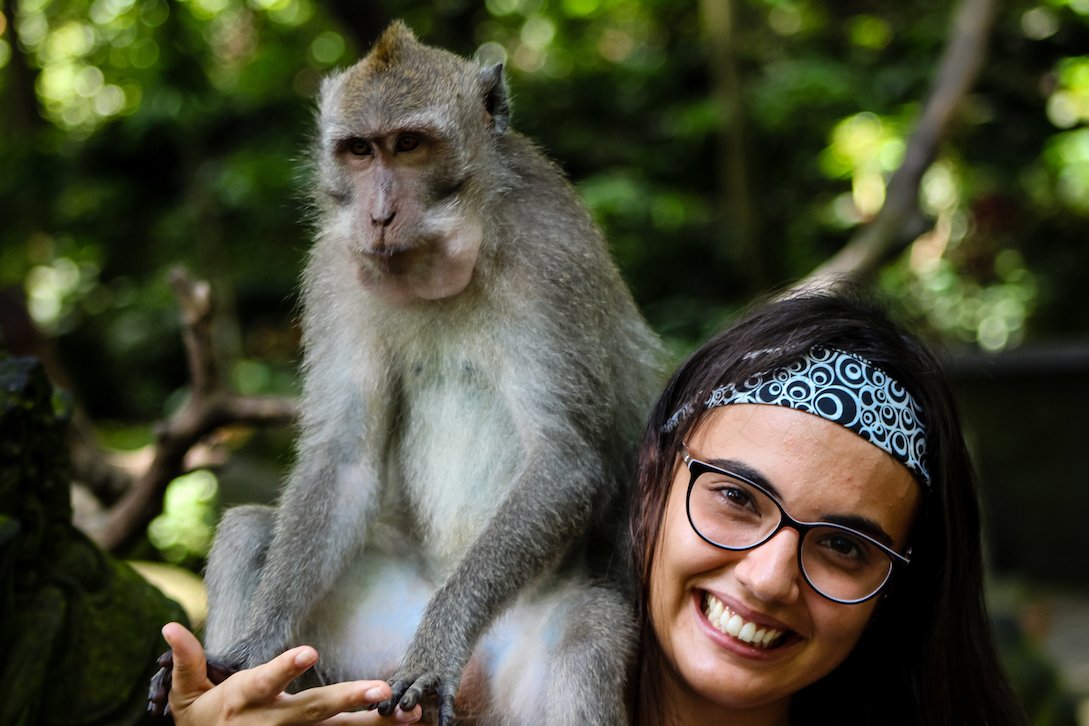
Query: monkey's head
404	135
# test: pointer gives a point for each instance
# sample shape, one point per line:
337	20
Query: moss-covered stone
79	630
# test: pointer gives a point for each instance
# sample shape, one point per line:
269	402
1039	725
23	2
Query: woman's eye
845	546
736	496
359	147
408	142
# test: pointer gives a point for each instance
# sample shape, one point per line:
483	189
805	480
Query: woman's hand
256	696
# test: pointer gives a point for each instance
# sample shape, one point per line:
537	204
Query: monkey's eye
408	142
358	147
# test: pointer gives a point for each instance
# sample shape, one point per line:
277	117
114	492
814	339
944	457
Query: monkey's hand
158	693
415	680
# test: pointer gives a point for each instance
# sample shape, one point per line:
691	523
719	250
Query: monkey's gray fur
476	376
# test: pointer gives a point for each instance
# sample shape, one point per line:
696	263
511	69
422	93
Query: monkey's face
403	133
404	223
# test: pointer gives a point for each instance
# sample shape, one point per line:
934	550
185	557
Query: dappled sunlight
864	148
85	61
869	31
53	289
1068	105
620	31
183	532
94	66
1068	156
992	313
1067	153
969	289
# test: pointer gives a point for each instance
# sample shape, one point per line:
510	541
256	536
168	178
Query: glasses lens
843	566
736	515
730	512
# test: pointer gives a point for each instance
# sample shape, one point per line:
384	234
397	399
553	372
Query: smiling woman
806	533
724	617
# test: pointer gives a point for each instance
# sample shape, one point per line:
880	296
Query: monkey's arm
321	519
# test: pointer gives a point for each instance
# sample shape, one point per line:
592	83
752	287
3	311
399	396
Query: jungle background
726	147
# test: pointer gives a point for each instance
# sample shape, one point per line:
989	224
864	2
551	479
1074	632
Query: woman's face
822	472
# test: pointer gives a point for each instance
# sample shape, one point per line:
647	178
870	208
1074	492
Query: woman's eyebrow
739	467
865	525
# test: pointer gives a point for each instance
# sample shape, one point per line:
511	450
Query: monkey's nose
383	220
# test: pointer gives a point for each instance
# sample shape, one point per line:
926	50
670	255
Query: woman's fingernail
375	694
306	658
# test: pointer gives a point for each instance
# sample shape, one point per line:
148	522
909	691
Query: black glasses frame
697	467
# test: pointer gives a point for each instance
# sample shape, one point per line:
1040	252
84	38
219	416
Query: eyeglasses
735	513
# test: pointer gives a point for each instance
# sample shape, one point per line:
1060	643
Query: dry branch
211	404
900	220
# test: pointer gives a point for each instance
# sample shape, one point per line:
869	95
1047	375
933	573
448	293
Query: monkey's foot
409	689
158	692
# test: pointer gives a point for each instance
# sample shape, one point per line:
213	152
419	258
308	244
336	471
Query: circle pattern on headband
843	388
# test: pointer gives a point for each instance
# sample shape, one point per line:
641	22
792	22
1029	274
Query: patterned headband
843	388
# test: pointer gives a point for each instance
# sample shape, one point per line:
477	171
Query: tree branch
741	223
900	220
23	113
210	405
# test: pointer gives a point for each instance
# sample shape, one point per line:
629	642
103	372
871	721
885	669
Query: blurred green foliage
183	532
141	134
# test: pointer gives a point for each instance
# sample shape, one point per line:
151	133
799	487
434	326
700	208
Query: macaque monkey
475	379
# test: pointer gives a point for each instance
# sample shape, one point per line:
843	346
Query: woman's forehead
818	467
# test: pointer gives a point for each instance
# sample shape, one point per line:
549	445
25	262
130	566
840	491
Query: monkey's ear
496	98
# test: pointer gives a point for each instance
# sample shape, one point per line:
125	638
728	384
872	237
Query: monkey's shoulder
534	179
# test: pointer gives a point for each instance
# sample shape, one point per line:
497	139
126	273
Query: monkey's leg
561	659
234	567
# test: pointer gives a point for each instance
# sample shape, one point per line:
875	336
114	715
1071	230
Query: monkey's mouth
388	259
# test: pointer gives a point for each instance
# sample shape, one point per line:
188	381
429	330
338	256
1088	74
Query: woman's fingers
373	718
337	704
264	682
190	673
259	692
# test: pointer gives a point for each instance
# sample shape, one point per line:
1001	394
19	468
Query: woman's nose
770	571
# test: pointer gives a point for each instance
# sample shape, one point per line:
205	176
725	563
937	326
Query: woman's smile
757	633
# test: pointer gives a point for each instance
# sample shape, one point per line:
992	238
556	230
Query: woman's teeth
728	622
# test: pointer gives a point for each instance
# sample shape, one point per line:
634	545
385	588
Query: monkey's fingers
398	687
220	670
426	683
158	692
446	703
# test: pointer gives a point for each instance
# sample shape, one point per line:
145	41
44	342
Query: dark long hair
928	656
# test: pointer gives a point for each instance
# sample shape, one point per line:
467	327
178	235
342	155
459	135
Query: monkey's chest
456	456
